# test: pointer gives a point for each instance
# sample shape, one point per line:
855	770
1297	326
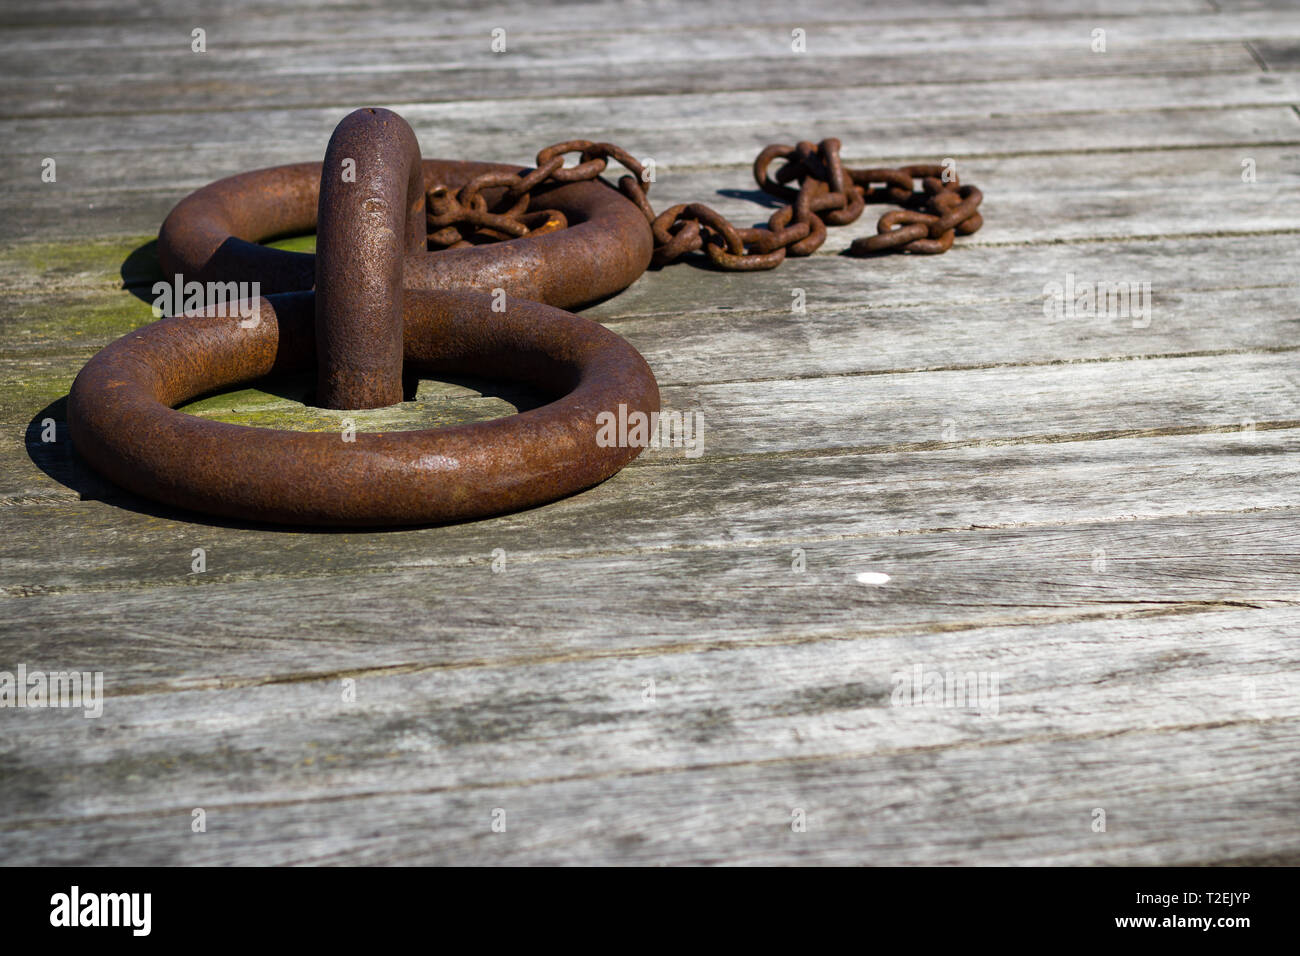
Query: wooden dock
931	476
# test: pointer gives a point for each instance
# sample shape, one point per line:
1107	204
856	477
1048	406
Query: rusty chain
827	194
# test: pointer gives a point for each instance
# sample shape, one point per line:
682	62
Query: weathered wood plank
697	327
1180	143
73	206
739	502
959	282
493	725
830	340
1204	704
1220	210
880	411
666	119
1058	197
883	812
1050	206
730	343
1027	800
272	617
660	24
64	298
1016	180
260	77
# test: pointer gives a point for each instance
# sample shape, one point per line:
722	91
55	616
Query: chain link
817	189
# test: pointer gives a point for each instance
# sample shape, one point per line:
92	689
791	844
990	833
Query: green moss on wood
305	243
79	296
67	300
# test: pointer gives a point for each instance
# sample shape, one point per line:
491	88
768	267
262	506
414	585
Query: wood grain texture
1095	517
432	68
679	122
53	211
798	727
664	601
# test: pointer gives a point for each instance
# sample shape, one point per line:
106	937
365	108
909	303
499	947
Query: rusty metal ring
568	174
770	186
122	421
897	185
971	197
213	235
894	229
811	242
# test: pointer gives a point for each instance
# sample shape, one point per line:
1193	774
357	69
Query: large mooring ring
122	420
